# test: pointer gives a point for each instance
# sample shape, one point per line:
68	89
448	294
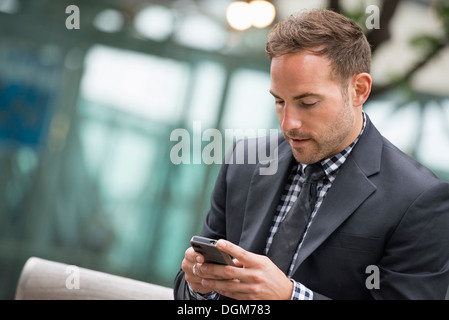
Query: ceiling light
242	15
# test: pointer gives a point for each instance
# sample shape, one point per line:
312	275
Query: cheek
328	112
323	121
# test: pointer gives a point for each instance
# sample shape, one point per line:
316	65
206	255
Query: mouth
298	142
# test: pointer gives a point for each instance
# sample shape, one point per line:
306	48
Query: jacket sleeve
416	260
214	224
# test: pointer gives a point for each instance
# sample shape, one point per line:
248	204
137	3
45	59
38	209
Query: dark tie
291	230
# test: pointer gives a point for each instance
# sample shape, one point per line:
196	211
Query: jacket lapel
349	190
263	198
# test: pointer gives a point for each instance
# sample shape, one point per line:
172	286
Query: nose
290	118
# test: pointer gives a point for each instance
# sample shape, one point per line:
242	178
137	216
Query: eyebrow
301	96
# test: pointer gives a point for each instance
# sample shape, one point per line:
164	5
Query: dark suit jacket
383	209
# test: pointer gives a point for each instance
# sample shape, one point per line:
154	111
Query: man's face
315	117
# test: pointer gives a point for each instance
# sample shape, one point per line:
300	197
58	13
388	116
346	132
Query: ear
360	89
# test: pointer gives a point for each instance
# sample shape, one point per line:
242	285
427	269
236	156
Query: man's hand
192	258
254	276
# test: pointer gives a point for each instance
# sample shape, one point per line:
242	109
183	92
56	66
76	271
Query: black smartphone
208	248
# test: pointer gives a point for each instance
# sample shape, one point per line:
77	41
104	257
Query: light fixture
262	13
237	14
242	15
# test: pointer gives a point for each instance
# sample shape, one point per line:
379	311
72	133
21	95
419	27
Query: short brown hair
327	33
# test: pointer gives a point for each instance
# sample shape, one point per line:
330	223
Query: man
379	222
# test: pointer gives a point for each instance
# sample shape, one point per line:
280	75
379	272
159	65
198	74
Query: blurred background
87	107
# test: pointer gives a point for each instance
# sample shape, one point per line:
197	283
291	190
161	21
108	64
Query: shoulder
409	170
383	161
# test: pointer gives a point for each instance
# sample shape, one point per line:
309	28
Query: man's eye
279	102
308	105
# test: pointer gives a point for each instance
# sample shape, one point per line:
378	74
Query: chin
306	157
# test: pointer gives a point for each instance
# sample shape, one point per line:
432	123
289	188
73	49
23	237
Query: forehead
300	63
303	70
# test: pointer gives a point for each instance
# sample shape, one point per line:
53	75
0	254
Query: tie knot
314	172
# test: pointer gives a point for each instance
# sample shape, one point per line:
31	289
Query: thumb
243	256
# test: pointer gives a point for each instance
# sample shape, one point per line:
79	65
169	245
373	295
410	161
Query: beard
327	143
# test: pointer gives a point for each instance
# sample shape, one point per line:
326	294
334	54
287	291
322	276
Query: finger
195	282
237	263
233	288
187	267
190	259
216	271
193	256
221	286
237	252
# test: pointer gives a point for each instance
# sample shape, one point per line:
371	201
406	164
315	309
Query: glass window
136	83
